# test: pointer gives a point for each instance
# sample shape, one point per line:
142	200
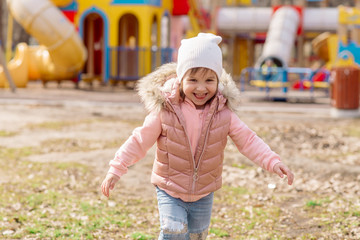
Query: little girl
191	105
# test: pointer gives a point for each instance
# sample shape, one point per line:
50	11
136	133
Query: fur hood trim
155	87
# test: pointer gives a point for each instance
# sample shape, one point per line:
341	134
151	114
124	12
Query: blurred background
296	63
123	40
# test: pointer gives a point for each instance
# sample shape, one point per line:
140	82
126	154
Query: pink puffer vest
176	167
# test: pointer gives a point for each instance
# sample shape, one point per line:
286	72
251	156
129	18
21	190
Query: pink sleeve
251	146
136	146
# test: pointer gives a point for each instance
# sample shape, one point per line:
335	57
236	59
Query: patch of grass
312	203
76	145
70	166
219	232
235	190
317	203
49	198
58	125
7	134
34	230
67	145
49	125
356	214
133	122
353	131
308	236
61	200
250	225
16	153
241	166
142	236
89	209
352	214
65	210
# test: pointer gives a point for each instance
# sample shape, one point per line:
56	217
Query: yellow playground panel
349	15
61	53
145	16
120	35
341	49
238	2
90	41
18	68
326	46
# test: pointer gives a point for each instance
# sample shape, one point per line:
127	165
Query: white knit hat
200	51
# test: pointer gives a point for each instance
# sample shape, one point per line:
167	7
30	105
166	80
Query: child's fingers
112	185
279	172
113	181
288	173
105	188
290	176
108	184
282	169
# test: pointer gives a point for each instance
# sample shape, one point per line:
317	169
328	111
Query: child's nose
201	87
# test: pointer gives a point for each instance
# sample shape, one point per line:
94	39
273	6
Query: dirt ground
88	125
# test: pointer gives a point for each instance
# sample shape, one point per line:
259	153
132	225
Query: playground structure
341	49
87	40
345	62
61	54
125	40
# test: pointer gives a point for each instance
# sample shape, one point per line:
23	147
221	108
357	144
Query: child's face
200	86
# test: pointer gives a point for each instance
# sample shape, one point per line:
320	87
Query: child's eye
210	80
192	80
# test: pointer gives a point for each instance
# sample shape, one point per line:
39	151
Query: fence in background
298	79
129	64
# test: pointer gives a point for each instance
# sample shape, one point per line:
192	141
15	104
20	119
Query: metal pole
6	71
8	51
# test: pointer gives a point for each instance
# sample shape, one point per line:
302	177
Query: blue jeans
184	220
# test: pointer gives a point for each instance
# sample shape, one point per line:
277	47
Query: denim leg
184	220
199	217
173	217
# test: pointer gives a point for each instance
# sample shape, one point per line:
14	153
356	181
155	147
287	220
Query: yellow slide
61	54
18	68
325	46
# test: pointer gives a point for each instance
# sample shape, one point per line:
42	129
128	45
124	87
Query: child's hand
109	183
281	169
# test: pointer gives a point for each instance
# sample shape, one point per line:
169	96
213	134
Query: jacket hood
155	87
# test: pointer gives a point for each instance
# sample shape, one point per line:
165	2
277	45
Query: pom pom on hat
200	51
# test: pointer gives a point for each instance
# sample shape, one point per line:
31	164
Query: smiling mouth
200	96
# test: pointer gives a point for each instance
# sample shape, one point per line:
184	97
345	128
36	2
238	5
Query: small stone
111	203
8	232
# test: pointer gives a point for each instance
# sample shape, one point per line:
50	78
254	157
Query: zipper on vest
196	166
195	178
195	174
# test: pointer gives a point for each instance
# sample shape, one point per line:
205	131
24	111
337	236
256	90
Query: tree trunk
2	24
18	34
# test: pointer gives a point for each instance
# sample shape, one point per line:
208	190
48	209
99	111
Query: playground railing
160	56
299	79
129	64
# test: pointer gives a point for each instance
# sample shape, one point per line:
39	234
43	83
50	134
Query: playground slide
18	67
281	27
232	19
280	37
325	46
61	54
